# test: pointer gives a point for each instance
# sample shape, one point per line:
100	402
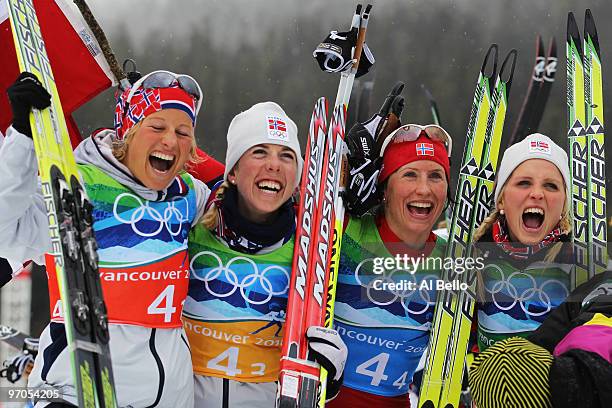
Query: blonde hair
120	148
210	220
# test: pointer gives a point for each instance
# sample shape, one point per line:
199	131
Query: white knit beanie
534	146
265	122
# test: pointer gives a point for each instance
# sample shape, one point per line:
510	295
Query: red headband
397	155
148	101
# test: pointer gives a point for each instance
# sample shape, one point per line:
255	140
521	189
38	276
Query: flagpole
98	33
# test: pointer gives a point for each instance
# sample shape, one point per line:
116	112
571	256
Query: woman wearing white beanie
525	241
240	262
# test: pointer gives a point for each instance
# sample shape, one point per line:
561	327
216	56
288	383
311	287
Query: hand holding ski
26	93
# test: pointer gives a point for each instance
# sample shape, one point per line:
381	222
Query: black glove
335	53
361	193
24	94
328	349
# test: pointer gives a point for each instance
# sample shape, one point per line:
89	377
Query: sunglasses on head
411	132
165	79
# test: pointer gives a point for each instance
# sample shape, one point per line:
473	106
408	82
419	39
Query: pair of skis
586	147
444	367
319	231
538	91
73	256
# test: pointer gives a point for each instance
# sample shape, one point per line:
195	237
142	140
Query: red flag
79	68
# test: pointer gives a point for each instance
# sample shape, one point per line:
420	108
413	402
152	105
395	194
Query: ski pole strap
341	51
333	54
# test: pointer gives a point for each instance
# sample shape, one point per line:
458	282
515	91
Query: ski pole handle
361	37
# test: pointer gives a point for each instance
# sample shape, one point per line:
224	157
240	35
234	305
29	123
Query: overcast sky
233	21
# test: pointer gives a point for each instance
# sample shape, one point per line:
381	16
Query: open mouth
161	162
533	218
420	208
269	186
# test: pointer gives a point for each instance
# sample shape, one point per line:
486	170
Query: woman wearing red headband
385	301
144	207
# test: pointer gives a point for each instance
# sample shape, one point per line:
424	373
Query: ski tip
367	10
427	93
552	47
590	31
539	47
491	51
512	56
358	9
573	34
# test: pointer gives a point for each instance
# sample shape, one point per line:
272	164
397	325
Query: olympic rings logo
531	292
245	283
278	134
172	214
386	297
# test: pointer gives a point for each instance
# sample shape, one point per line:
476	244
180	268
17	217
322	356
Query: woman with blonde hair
144	204
525	241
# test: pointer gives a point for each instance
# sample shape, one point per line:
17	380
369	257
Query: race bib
144	295
246	351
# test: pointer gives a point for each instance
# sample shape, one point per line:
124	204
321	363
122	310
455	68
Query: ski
73	257
593	91
319	309
548	78
338	149
365	102
586	146
453	315
435	116
320	224
440	337
576	117
433	106
542	78
292	368
352	110
522	125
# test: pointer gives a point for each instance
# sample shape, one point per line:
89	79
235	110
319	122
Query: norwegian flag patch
277	128
424	149
539	146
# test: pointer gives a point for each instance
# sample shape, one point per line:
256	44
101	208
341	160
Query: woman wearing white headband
144	206
241	266
525	241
